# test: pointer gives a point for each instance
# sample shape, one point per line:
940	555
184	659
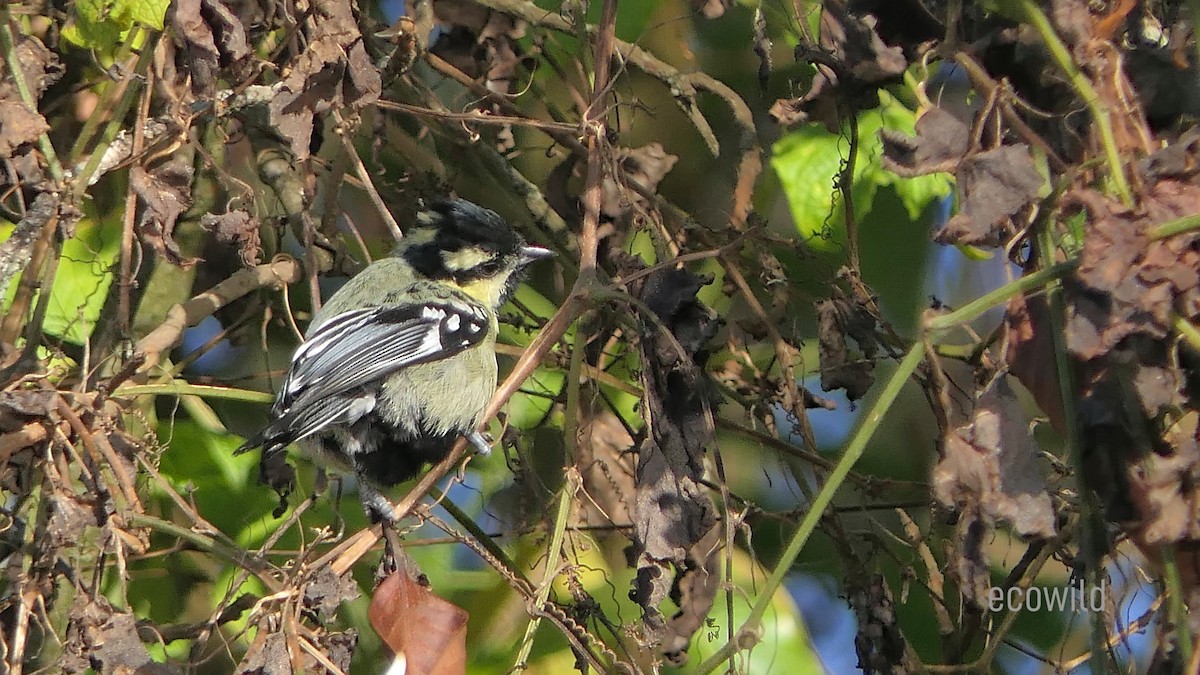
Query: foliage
183	182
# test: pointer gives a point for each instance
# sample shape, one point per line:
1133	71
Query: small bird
401	360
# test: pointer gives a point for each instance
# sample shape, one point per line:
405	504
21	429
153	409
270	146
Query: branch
168	335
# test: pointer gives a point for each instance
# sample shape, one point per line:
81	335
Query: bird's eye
490	267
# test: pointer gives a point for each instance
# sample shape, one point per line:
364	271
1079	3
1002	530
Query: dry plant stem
22	438
275	274
935	581
365	176
1100	114
987	88
870	424
793	399
125	279
596	129
116	123
995	638
516	118
31	280
9	47
1136	626
96	443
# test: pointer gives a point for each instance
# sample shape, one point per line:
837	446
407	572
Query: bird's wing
362	346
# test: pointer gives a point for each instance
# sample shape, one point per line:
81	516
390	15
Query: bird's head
468	246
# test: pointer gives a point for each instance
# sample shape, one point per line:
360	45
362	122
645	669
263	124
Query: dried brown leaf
163	195
855	61
430	632
212	37
675	522
237	228
991	462
326	591
839	321
940	142
644	167
19	125
333	73
993	186
100	639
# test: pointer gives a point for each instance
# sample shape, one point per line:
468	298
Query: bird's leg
378	507
483	445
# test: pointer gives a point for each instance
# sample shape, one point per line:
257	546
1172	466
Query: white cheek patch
465	258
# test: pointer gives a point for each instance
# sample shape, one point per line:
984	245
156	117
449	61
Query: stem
1177	226
1058	52
182	388
14	68
552	555
978	306
816	511
1176	607
1088	508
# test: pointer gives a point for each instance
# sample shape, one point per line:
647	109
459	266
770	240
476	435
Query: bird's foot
378	507
481	441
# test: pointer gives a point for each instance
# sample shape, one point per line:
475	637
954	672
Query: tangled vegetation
732	375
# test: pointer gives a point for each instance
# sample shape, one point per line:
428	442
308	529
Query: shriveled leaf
838	321
675	522
100	637
210	34
236	228
879	642
430	632
988	472
939	144
333	73
993	186
992	461
40	68
326	591
268	655
163	195
644	167
864	61
19	125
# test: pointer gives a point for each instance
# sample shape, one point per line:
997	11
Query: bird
400	361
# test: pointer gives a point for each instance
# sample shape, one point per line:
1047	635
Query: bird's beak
534	253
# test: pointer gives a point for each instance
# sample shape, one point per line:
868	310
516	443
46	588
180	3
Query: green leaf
149	12
808	160
85	273
528	407
100	25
